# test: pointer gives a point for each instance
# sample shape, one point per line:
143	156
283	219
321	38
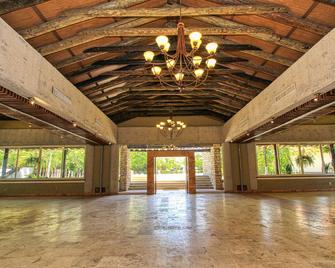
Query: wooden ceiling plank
7	6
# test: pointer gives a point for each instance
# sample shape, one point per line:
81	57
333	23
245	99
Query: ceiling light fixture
170	128
183	68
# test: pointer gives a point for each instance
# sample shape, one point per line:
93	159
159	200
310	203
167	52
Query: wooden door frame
190	175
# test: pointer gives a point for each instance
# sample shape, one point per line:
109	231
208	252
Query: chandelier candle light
171	129
184	68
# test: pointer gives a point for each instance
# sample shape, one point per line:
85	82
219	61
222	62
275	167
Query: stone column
216	166
124	168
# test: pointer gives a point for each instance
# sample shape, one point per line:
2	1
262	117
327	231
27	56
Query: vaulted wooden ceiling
258	41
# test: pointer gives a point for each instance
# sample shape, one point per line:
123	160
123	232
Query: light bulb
161	41
156	70
179	128
198	73
149	56
211	63
158	126
195	36
196	44
169	120
169	129
166	47
211	48
197	61
170	63
179	122
32	101
184	126
162	123
179	76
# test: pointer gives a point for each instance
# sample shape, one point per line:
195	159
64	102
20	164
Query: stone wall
125	173
212	166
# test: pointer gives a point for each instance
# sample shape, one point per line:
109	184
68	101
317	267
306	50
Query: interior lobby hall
167	133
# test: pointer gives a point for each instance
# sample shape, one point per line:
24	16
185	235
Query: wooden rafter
117	9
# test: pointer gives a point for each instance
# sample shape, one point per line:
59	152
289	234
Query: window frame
299	144
39	178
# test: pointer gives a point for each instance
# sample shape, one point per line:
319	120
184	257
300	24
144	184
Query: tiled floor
171	229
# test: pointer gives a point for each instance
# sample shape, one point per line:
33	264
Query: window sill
296	177
70	180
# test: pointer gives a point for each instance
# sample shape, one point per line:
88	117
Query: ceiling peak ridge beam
26	73
117	9
265	36
310	76
89	35
7	6
73	16
288	18
125	29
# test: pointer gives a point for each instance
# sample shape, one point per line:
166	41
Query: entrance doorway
151	169
170	173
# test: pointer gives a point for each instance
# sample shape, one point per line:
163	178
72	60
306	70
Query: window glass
8	159
266	160
289	159
51	163
74	162
328	152
311	158
28	162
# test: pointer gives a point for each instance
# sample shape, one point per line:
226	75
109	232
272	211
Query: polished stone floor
171	229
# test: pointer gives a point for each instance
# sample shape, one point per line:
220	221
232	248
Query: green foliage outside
290	160
165	165
30	165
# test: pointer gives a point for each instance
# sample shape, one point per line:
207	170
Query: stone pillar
191	186
216	168
124	168
207	163
115	169
151	185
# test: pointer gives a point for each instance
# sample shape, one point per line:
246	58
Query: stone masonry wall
124	168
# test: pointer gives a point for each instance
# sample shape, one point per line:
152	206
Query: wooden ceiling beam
124	116
288	18
327	2
257	53
71	17
117	9
86	56
7	6
265	36
123	48
127	30
89	35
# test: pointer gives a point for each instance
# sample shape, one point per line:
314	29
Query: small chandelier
171	129
184	68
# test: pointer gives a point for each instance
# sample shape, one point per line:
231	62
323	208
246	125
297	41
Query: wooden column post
151	185
191	173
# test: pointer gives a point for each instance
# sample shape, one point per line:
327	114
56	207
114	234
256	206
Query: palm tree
306	160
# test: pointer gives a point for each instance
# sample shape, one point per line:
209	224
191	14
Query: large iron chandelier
170	128
183	68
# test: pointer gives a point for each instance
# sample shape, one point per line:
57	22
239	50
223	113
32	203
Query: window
74	162
295	159
311	158
8	158
266	160
42	163
328	153
51	163
28	163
